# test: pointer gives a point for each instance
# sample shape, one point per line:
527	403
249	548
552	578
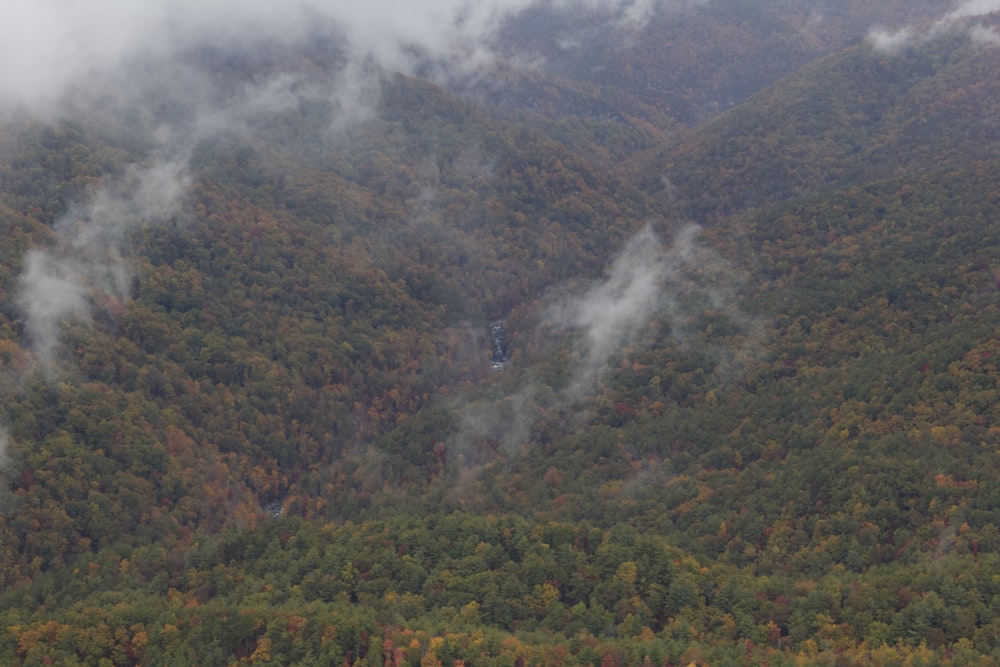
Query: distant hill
677	67
848	118
699	58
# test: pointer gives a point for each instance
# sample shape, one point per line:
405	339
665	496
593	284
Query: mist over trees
743	255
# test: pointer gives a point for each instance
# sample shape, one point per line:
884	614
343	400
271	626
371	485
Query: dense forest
666	337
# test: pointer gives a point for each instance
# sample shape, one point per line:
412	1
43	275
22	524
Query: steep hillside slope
692	60
296	306
745	410
813	460
854	116
610	84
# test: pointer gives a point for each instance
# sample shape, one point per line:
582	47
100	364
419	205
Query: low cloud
87	263
49	48
52	291
494	425
671	284
894	42
975	8
984	37
153	65
642	282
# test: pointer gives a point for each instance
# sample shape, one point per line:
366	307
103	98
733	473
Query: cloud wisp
159	62
88	262
643	281
49	48
984	37
894	42
648	281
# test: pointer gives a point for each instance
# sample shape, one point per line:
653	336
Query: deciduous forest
650	334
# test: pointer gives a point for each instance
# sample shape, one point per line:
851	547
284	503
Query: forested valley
667	341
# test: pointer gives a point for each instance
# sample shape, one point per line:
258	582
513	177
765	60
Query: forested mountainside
610	93
257	409
846	119
685	62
